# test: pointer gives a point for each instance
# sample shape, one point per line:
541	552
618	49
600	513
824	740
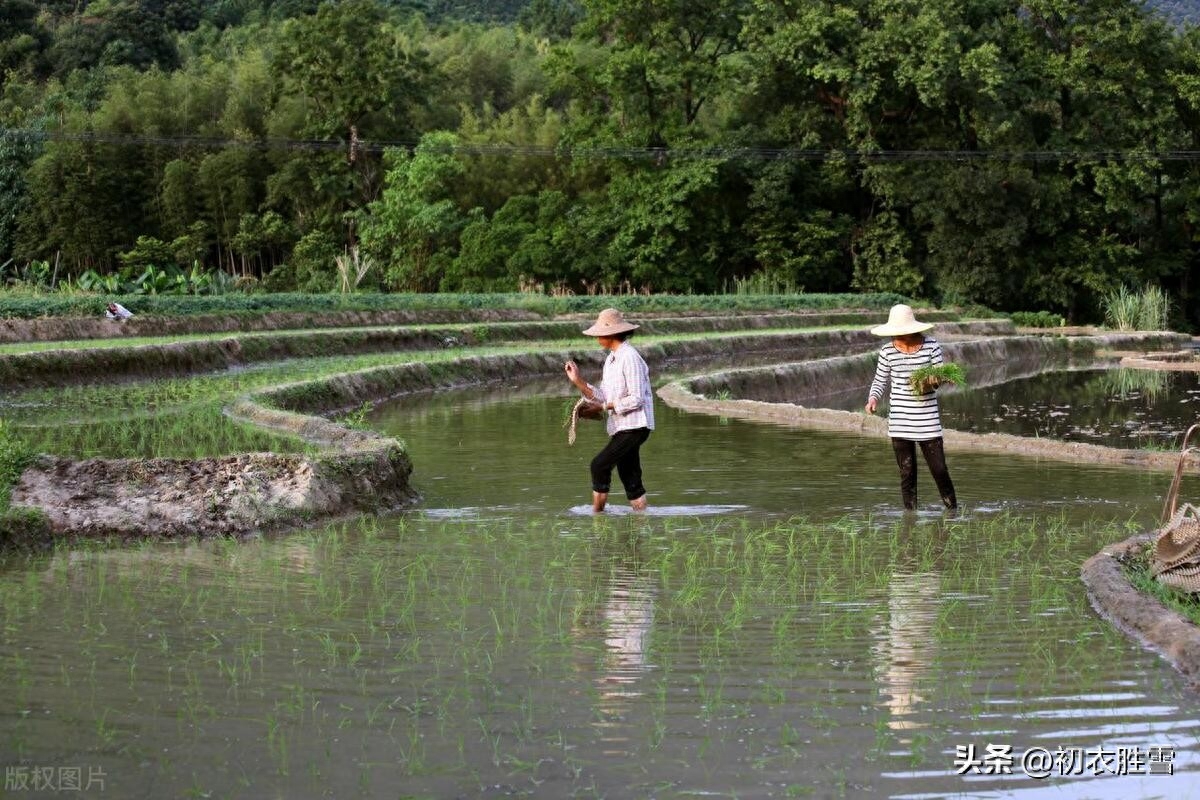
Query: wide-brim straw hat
901	322
610	323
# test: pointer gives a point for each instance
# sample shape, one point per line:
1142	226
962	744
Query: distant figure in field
624	393
117	311
912	418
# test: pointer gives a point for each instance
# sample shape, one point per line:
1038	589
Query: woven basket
1176	557
1178	541
1185	578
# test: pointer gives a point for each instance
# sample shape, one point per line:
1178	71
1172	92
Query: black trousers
622	452
935	457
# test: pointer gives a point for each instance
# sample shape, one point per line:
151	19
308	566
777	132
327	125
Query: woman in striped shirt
912	418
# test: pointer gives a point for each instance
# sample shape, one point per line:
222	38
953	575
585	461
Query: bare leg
598	501
639	504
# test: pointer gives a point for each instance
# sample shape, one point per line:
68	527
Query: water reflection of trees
1119	407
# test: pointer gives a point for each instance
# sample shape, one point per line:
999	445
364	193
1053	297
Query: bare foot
639	504
599	499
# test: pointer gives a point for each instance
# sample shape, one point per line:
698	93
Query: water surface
778	629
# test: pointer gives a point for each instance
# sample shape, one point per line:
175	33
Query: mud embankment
61	329
349	470
791	394
58	329
349	390
1154	625
65	367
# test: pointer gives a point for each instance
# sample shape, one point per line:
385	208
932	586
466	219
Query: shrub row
31	306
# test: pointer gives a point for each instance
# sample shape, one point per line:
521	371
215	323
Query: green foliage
347	62
1127	310
1038	319
882	262
525	176
357	418
313	265
31	306
149	252
15	158
15	456
924	379
414	226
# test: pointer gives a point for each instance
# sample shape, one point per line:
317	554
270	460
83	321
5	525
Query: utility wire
723	153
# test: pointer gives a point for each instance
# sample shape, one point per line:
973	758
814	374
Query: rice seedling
925	377
183	417
472	659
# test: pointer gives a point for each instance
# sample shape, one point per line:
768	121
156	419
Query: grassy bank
182	417
1137	569
17	525
32	306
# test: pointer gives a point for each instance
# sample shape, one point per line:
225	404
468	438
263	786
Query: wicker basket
1176	558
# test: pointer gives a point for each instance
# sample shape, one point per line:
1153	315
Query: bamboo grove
1020	155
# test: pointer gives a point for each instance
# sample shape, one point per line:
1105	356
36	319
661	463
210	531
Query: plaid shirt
626	384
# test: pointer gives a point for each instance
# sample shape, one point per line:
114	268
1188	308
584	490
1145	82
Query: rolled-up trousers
623	451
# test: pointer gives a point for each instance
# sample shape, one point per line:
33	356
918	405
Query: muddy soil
1139	615
172	498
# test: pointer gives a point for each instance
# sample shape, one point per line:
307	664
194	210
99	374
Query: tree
16	154
663	62
349	65
114	32
665	227
554	19
19	35
414	226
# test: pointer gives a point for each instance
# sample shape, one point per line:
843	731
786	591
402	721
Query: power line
613	153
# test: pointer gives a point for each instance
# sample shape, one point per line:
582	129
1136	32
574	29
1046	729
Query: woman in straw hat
624	393
913	419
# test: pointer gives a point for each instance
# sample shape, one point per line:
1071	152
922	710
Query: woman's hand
871	405
572	372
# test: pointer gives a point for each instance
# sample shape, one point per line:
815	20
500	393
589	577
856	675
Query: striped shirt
910	416
626	384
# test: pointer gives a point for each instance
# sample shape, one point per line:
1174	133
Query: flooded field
1120	407
777	629
1128	408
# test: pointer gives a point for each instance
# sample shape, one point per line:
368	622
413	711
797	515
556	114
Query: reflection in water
904	649
1127	408
626	619
623	621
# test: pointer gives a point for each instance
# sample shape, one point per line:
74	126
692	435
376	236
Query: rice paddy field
773	627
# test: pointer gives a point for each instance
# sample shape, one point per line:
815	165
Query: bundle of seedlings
926	379
580	409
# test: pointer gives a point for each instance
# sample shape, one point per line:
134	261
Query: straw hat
901	322
609	323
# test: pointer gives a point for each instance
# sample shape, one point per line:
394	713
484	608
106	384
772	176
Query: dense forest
1019	155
